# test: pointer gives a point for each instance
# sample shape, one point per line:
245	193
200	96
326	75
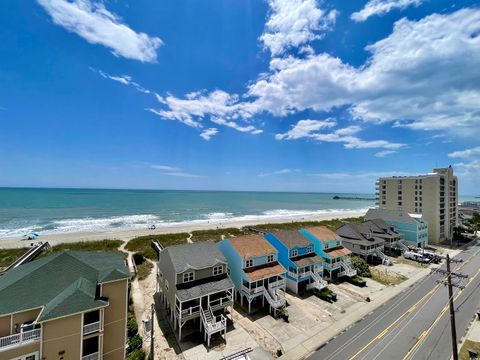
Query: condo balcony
20	339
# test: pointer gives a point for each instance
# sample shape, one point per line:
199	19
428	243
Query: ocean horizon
71	210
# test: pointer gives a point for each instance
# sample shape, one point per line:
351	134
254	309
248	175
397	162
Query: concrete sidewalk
473	335
315	337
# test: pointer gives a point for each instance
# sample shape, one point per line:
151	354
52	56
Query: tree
361	266
474	223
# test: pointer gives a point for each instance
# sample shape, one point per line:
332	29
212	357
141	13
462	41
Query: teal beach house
412	227
328	245
255	271
297	254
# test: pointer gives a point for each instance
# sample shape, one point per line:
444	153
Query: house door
32	356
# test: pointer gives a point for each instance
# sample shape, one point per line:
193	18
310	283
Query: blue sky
280	95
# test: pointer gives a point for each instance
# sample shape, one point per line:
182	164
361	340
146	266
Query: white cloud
381	7
468	153
122	79
207	134
306	128
310	128
93	22
293	23
173	171
280	172
422	76
382	154
218	106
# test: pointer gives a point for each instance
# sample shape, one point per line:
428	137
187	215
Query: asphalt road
415	324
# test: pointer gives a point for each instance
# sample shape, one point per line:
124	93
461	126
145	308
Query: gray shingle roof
61	284
197	256
292	238
358	232
393	215
204	289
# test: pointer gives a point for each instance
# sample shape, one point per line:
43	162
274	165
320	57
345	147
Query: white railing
272	298
281	282
210	321
218	303
94	356
381	255
20	338
318	283
252	291
193	310
348	270
90	328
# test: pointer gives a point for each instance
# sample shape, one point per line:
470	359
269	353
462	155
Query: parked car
416	257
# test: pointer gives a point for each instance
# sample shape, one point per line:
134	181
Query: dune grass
101	245
142	245
8	256
217	234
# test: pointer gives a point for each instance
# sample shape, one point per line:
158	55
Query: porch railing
223	301
192	310
281	282
20	338
252	291
90	328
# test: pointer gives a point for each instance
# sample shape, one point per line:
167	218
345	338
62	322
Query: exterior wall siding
283	252
200	273
5	323
20	351
62	335
115	318
235	263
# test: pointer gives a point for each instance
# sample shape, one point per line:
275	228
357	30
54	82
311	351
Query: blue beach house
329	246
297	254
255	271
412	227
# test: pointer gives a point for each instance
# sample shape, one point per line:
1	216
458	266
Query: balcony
20	339
94	356
91	328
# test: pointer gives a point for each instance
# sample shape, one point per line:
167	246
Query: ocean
50	211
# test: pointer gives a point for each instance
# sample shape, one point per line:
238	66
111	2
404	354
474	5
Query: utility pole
450	300
151	332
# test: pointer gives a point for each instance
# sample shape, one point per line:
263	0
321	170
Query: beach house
255	270
365	239
69	305
297	254
194	287
329	245
412	227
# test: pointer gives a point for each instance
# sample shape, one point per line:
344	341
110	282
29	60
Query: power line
451	274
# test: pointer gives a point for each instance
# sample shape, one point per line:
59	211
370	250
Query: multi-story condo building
297	254
412	227
194	286
255	271
69	305
434	195
337	260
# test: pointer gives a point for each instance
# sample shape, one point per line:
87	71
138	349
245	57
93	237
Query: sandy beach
54	239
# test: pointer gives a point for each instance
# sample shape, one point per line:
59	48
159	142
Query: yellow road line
410	310
422	337
395	322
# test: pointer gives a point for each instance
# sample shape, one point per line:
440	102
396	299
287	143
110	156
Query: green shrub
134	343
217	234
132	327
102	245
8	256
136	355
361	266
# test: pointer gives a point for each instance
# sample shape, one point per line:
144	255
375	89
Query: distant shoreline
125	235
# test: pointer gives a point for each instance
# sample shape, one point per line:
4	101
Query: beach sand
54	239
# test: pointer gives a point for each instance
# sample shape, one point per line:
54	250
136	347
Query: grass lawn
102	245
387	277
142	246
8	256
469	344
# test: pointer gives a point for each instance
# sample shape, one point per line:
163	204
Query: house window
228	271
309	249
187	277
270	258
166	284
217	270
294	252
249	263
